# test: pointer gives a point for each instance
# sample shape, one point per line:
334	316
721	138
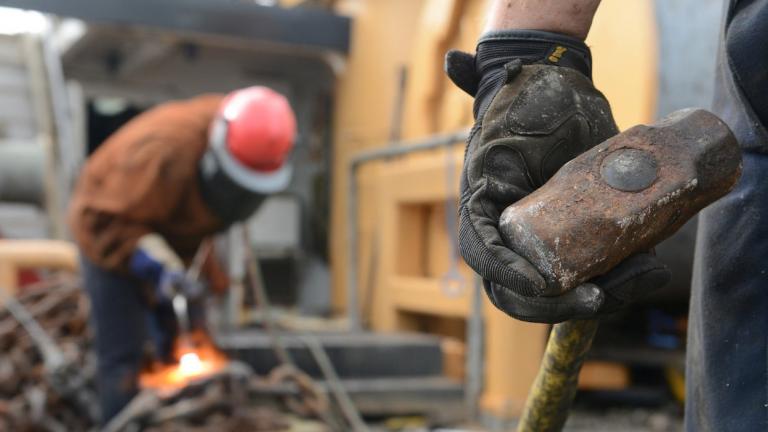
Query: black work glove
535	109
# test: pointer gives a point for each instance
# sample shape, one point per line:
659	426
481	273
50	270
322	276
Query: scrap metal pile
47	388
221	401
47	372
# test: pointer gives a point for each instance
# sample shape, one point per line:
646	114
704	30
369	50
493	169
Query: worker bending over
146	200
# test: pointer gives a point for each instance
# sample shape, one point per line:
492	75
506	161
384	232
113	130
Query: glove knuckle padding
550	115
504	185
549	97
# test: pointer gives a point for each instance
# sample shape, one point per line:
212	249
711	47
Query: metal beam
297	26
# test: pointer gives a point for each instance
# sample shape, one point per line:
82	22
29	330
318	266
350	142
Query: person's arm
124	190
568	17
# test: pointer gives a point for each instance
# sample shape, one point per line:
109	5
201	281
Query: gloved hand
155	262
535	109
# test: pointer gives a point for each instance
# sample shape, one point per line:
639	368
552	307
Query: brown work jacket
143	179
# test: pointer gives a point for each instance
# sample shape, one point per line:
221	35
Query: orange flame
190	364
198	359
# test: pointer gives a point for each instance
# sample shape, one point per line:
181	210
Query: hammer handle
552	393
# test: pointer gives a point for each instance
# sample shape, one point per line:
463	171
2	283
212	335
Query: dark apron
727	360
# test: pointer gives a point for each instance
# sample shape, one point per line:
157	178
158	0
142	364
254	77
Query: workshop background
360	253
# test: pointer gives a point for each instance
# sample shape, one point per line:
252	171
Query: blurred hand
155	262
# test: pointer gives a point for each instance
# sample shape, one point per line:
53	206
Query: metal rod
144	402
53	358
406	147
181	309
353	310
253	270
475	346
198	261
22	173
399	149
348	408
180	300
552	393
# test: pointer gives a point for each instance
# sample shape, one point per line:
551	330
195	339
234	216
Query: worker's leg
118	315
727	364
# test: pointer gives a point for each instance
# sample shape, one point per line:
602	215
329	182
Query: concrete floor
625	420
580	420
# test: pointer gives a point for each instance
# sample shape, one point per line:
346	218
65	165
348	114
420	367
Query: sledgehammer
622	197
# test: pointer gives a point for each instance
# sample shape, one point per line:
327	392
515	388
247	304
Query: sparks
190	364
197	359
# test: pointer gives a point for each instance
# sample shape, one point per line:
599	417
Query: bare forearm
570	17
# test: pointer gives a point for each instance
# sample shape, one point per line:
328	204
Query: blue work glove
163	280
154	262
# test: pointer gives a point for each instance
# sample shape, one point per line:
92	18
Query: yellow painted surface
382	36
624	54
428	296
513	350
16	255
412	241
456	106
600	375
454	353
426	82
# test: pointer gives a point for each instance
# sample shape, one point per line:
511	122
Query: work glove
535	109
153	261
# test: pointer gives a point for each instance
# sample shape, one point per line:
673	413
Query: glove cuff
496	49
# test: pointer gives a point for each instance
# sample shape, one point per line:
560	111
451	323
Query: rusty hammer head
622	197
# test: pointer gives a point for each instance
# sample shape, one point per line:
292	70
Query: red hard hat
261	127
